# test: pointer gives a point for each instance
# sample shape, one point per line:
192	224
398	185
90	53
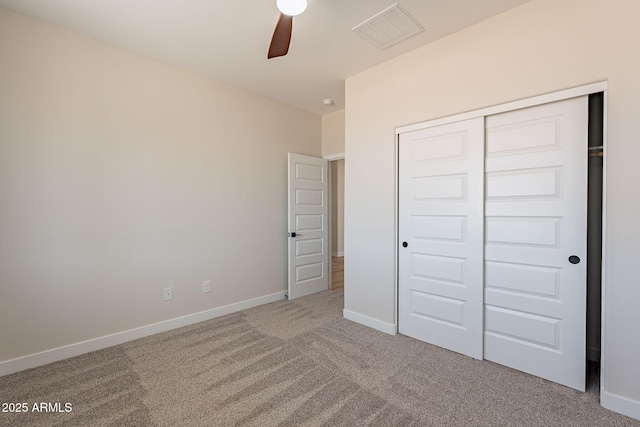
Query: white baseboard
60	353
338	254
387	328
621	405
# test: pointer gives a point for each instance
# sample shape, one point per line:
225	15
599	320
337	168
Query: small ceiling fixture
291	7
328	101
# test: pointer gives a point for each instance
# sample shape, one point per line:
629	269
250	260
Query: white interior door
440	221
308	225
536	195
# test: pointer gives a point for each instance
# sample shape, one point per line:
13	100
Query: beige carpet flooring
292	363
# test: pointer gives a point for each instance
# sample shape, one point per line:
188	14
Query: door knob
573	259
405	244
292	234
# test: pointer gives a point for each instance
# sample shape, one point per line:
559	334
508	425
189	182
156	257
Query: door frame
331	158
503	108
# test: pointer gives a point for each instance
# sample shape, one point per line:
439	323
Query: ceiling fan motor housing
291	7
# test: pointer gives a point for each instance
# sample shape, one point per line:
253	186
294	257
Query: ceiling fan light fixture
291	7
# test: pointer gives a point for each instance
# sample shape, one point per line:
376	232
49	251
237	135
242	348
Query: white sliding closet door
536	195
492	227
440	230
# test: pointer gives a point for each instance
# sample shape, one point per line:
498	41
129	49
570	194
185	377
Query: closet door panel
440	219
535	220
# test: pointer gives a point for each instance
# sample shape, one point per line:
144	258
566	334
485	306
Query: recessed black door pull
573	259
405	244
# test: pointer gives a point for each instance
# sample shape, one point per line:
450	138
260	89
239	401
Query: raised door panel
440	218
308	218
535	220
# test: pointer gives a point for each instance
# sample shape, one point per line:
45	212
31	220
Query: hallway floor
337	273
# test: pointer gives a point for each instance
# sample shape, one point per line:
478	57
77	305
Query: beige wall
540	47
333	133
120	176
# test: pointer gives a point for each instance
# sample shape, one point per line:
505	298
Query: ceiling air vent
388	27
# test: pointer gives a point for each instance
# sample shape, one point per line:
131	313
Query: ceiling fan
282	34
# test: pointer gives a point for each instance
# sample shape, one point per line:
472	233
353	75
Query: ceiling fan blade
281	37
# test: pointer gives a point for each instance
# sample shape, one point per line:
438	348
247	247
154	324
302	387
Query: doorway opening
594	238
337	224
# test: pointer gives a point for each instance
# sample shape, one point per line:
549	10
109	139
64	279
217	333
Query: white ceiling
228	40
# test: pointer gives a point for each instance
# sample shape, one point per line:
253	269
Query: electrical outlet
168	294
206	286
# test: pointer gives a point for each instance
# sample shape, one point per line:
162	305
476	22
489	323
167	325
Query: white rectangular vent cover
389	27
